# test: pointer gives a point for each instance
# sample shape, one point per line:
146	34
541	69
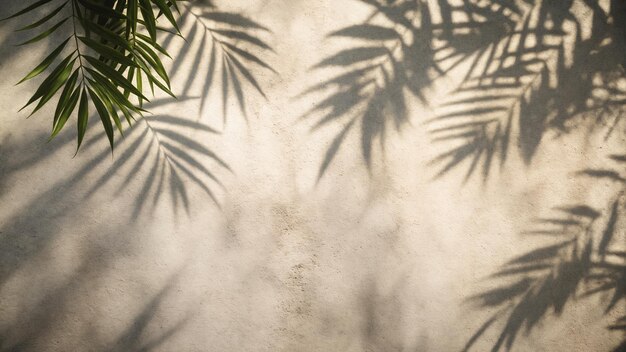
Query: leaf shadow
235	48
533	78
158	154
528	69
584	257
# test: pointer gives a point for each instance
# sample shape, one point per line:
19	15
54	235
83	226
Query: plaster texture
97	255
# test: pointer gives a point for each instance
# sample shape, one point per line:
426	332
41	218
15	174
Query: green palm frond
103	62
112	54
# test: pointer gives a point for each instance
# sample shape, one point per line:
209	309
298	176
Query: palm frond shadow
9	42
172	148
586	257
369	92
234	47
402	49
160	143
163	144
533	77
528	71
165	147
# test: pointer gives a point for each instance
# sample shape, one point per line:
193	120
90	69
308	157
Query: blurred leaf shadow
172	149
233	44
369	91
166	154
530	68
536	76
164	144
43	319
381	329
586	257
133	338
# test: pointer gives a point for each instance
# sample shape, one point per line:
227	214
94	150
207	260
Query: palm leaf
109	32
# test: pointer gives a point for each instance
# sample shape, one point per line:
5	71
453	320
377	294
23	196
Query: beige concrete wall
97	254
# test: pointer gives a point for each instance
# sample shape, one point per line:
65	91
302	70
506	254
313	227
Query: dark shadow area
162	143
532	67
9	43
382	329
540	72
585	257
36	323
167	154
134	338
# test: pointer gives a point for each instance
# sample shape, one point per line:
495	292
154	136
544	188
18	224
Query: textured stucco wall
380	260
